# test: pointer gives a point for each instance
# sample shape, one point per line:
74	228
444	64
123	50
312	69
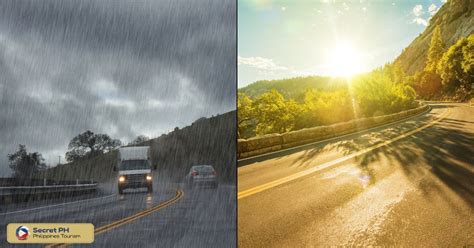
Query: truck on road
134	168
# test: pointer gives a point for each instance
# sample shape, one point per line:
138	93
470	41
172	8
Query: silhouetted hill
206	141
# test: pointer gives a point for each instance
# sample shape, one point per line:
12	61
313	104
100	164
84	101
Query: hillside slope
455	19
294	88
206	141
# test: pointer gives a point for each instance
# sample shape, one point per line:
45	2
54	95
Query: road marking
269	185
118	223
56	205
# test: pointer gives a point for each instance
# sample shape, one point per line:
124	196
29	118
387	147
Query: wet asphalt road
417	191
202	217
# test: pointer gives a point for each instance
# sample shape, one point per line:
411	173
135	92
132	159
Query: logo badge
22	233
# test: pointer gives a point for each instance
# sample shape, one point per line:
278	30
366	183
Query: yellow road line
269	185
108	227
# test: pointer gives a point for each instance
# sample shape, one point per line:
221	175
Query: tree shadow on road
444	150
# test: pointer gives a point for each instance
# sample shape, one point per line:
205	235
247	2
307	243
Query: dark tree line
89	144
84	146
24	164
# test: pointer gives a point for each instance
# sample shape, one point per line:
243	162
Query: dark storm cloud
118	67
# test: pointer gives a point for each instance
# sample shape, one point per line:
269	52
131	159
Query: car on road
201	175
134	168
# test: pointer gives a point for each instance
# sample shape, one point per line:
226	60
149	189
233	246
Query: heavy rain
84	84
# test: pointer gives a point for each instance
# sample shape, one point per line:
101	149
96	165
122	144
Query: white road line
56	205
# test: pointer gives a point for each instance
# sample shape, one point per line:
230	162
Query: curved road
408	184
198	217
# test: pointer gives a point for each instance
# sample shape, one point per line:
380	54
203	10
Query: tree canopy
89	144
435	51
456	67
448	73
383	91
24	164
140	139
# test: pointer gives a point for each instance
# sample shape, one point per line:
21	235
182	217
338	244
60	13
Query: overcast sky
282	39
118	67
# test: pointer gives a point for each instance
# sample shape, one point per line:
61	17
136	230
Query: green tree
274	114
377	94
325	108
428	83
244	113
140	139
456	65
24	164
435	51
88	145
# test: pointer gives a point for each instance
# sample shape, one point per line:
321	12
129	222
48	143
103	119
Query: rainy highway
406	184
172	216
83	81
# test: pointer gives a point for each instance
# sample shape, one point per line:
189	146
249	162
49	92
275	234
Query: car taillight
194	173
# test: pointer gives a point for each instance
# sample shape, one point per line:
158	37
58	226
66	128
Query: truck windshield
134	165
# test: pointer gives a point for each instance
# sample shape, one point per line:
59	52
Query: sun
344	60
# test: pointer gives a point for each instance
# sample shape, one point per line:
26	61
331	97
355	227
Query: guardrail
21	190
256	146
26	193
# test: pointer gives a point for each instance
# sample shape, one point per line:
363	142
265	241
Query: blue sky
283	39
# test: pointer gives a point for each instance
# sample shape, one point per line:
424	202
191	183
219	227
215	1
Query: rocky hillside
455	18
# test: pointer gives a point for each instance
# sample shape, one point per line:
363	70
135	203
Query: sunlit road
201	217
406	190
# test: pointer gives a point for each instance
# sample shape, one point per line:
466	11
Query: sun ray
344	60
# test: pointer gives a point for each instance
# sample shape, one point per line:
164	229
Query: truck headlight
148	177
121	179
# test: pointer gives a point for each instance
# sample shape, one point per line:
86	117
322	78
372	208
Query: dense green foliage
380	92
290	104
435	51
293	88
448	74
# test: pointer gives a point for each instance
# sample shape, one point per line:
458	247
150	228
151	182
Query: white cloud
418	10
432	9
260	63
119	103
420	21
104	86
